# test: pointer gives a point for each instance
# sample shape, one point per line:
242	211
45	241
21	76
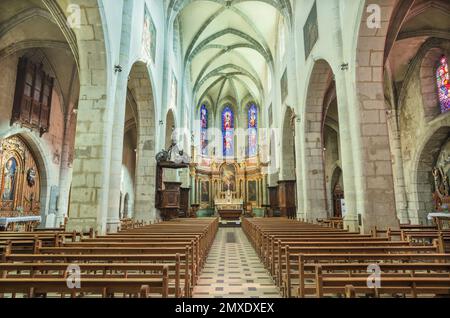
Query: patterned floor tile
233	270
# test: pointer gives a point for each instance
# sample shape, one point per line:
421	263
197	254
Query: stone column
113	220
347	143
65	170
375	195
264	186
399	177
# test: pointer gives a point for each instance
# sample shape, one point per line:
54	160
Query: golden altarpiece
229	185
19	184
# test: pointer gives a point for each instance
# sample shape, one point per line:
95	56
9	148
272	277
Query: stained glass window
204	130
443	81
228	131
252	130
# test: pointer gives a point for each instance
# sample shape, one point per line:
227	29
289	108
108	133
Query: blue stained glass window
228	131
443	82
252	130
204	130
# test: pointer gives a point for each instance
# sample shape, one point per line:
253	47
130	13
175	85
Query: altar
229	206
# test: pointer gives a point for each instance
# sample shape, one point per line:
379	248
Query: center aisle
233	270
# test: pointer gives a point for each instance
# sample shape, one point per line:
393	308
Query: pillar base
147	216
112	226
351	223
84	225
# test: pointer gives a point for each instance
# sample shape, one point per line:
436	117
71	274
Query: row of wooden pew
158	260
309	260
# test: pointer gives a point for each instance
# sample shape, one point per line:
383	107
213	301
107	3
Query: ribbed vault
228	47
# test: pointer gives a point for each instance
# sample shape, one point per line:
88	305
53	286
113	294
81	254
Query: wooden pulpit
286	198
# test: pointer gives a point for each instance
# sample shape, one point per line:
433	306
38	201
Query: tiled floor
233	270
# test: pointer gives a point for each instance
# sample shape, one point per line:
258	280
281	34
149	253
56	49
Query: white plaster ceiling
227	47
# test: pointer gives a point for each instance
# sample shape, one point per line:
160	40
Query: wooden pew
284	245
302	267
404	285
148	247
98	270
104	287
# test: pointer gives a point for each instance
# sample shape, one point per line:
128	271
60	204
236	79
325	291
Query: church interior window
204	130
228	131
443	82
252	130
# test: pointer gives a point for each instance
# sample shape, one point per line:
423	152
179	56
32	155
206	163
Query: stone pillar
192	192
90	182
65	170
300	185
375	195
399	177
347	143
145	181
266	190
113	219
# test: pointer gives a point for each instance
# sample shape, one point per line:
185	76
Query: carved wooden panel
273	197
184	201
19	179
170	200
286	198
33	96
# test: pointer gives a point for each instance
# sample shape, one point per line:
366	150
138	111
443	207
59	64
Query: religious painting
252	130
228	131
252	191
284	86
19	178
9	179
204	191
149	37
441	180
228	178
443	82
311	31
203	130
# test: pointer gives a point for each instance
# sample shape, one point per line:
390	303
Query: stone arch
334	181
126	203
38	150
429	91
319	83
141	88
421	175
170	128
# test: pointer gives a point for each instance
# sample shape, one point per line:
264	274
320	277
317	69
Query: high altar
229	206
229	187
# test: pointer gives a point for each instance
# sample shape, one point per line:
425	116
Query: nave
234	270
296	147
267	258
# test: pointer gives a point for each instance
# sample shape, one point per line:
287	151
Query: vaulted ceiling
27	26
228	48
423	20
